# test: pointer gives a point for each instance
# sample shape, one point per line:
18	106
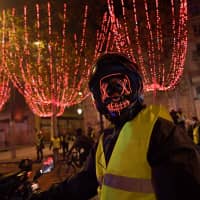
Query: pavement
21	152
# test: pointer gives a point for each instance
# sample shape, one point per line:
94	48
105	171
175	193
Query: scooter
18	186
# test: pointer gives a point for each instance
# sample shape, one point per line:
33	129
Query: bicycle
74	160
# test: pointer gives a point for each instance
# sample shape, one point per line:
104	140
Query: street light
39	44
79	111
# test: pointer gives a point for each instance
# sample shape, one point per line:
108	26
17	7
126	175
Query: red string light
4	89
159	46
4	80
42	69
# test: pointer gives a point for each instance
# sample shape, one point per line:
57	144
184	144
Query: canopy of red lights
46	67
4	88
154	34
51	69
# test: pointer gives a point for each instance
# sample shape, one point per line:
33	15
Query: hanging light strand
153	42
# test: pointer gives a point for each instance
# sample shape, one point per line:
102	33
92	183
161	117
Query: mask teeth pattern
117	107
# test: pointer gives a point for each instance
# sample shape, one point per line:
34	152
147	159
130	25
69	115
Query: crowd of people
63	143
191	126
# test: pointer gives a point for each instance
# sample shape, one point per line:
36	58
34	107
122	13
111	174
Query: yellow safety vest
196	134
128	174
56	143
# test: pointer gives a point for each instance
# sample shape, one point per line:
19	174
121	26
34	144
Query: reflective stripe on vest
128	184
128	174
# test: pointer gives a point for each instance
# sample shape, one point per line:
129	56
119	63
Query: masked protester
144	157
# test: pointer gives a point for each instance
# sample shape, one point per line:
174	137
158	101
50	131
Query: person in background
55	144
180	118
83	144
39	145
71	139
143	156
64	138
174	116
90	133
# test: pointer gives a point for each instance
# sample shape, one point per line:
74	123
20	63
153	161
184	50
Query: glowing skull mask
115	92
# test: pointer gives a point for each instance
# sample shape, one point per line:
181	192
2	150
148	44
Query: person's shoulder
164	127
161	132
165	122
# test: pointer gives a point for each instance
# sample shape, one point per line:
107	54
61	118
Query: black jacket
173	157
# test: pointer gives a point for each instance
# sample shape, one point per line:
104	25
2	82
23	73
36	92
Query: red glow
48	161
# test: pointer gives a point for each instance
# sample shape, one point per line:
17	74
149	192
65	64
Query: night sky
100	5
18	3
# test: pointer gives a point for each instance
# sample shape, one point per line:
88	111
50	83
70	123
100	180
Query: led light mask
116	87
115	92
